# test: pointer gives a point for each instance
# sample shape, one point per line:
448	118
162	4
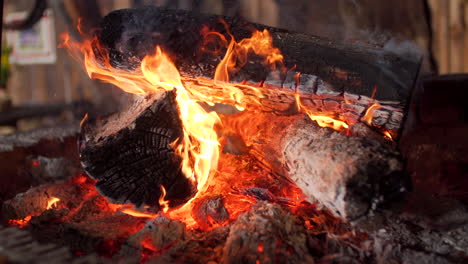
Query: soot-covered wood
131	156
130	34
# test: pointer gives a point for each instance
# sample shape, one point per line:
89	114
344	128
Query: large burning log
335	79
131	156
349	175
131	34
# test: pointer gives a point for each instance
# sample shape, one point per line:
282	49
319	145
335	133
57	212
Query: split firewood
335	78
130	153
349	175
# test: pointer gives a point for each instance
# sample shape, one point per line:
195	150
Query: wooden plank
465	49
456	35
441	36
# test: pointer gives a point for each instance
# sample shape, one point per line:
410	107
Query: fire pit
244	144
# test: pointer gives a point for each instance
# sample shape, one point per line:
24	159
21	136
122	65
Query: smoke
405	48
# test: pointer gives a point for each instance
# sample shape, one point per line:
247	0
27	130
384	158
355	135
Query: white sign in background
35	45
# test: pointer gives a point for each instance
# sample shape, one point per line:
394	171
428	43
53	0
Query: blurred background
41	84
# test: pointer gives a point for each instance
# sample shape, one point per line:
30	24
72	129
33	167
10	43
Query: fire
25	221
20	222
164	204
325	121
322	121
85	117
388	135
52	202
137	213
199	146
370	113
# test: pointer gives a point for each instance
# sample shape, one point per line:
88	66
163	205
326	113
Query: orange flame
322	120
370	113
52	202
164	204
20	222
85	117
136	213
199	145
25	221
388	135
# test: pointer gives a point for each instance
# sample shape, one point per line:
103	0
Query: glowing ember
21	222
25	221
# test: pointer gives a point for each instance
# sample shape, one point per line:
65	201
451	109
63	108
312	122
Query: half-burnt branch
131	156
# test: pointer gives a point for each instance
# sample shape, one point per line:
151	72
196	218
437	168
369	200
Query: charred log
134	33
349	175
130	153
335	78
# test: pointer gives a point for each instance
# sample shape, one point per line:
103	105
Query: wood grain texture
131	156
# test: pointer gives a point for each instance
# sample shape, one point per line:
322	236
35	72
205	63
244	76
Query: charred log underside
130	153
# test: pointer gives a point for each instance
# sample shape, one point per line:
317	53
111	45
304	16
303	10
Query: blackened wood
131	34
130	153
349	175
